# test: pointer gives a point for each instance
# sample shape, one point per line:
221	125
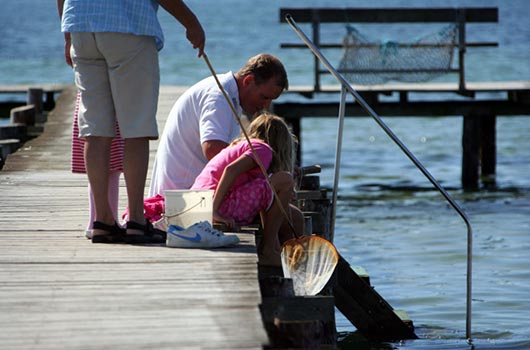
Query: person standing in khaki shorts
113	49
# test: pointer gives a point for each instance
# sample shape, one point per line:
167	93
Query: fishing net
309	261
367	61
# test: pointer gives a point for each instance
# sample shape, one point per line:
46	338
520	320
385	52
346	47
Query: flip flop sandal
115	234
150	234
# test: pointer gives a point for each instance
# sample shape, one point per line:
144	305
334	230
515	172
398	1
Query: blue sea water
389	219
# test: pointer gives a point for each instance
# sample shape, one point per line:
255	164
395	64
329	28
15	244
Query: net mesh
418	61
309	261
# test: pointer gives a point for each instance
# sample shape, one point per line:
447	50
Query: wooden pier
479	113
59	291
477	103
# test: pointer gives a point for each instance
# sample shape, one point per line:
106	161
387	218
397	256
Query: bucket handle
186	210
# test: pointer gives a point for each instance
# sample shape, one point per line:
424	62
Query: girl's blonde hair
273	130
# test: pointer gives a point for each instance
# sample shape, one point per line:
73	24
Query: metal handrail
346	86
338	153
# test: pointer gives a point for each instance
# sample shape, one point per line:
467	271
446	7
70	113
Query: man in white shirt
201	122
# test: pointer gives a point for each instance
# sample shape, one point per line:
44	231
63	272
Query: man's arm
212	147
60	5
186	17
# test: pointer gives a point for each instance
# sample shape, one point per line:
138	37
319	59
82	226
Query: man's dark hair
264	67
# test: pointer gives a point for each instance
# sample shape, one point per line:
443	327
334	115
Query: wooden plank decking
59	291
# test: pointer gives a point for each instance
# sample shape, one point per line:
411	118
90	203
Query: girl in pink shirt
241	190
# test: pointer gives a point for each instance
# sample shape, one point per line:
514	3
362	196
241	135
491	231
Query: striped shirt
136	17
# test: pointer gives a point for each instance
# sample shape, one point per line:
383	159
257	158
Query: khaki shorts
119	79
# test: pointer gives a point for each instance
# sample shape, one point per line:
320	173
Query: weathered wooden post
24	115
34	97
478	151
313	201
470	151
296	322
488	151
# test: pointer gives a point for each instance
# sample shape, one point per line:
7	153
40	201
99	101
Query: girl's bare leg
114	193
269	250
296	218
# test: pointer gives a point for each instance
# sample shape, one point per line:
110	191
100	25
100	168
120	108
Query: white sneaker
198	235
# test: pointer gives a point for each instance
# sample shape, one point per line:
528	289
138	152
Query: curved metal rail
346	86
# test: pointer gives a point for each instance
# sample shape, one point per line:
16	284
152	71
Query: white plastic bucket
186	207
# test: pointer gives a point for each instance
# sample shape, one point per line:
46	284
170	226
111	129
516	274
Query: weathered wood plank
365	308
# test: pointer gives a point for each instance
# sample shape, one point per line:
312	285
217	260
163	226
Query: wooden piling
13	131
296	322
478	150
7	146
470	151
488	151
24	115
34	97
